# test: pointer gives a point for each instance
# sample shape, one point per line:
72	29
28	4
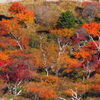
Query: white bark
19	45
97	46
75	95
62	98
47	73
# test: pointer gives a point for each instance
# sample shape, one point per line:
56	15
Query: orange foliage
6	42
96	87
16	33
36	58
68	62
67	70
3	56
92	29
81	54
50	79
95	79
43	92
11	52
20	12
97	76
82	87
98	70
2	84
63	32
68	92
11	25
11	42
27	17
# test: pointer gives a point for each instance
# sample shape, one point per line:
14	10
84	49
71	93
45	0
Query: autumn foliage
16	8
48	64
92	29
43	93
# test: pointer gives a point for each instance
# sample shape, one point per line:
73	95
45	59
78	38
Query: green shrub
33	42
79	21
52	37
66	20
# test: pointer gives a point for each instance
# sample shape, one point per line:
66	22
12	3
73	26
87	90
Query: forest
50	50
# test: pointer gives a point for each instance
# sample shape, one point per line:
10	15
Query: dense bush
66	20
80	21
41	64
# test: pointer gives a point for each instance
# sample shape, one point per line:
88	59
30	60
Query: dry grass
57	6
4	9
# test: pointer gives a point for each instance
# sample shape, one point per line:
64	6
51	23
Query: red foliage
22	14
19	72
25	41
3	30
90	46
16	8
12	70
2	63
92	61
77	38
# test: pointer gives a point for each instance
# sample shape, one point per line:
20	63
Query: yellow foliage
63	32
